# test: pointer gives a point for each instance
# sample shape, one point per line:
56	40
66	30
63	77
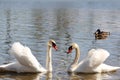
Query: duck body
101	34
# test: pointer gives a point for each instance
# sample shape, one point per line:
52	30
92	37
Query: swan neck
77	56
49	59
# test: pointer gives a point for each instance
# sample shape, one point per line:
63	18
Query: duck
101	34
93	63
26	62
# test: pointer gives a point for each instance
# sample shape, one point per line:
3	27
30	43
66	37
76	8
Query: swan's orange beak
55	47
69	51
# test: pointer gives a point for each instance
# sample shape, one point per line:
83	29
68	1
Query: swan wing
90	53
97	57
24	55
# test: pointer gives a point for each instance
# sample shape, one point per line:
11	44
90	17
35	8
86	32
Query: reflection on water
90	76
34	27
103	76
24	76
85	77
48	76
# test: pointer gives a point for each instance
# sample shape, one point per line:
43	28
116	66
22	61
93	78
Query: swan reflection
82	76
26	76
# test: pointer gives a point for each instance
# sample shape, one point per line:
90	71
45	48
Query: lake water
33	25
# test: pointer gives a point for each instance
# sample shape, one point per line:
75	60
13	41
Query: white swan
26	61
93	63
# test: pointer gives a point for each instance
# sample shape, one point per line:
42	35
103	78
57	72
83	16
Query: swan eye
54	46
69	50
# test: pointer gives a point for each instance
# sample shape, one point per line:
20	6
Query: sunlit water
33	27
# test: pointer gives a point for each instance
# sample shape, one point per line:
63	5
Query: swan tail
107	68
17	68
2	68
113	68
11	67
5	68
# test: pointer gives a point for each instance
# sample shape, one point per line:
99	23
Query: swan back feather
97	57
24	56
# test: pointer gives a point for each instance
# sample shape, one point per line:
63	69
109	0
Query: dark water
33	25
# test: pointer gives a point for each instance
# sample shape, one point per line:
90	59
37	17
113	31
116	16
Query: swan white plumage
26	61
93	63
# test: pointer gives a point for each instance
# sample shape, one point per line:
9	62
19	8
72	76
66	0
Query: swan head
72	46
52	43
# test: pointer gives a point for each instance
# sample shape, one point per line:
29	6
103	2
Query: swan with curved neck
26	61
93	63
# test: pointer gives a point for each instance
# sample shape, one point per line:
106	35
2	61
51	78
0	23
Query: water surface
34	26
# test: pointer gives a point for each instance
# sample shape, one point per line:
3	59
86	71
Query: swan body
93	63
25	60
